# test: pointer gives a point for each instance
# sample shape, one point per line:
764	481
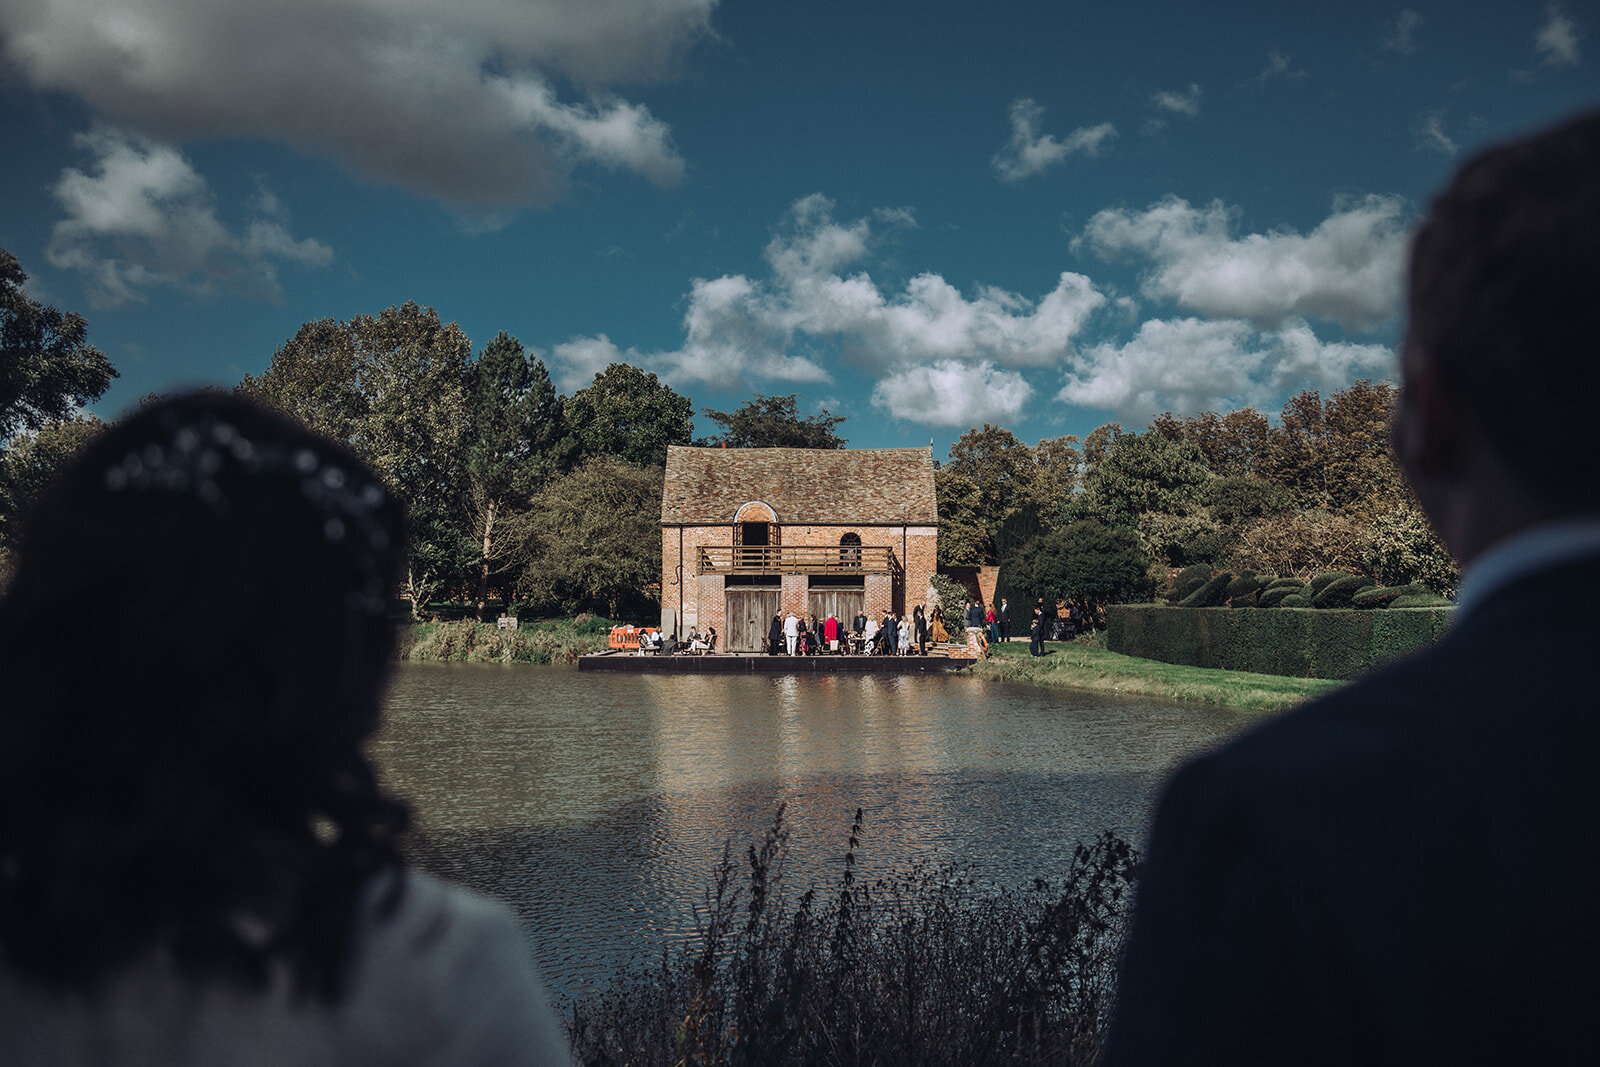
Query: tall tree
774	422
1004	473
392	387
31	461
1057	466
595	533
628	413
1144	472
47	368
1336	454
513	428
1085	563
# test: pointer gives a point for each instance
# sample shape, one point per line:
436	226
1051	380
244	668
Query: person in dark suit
1404	871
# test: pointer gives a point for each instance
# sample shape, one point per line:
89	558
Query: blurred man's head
1501	362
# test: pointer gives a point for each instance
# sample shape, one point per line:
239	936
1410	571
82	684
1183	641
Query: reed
926	967
468	641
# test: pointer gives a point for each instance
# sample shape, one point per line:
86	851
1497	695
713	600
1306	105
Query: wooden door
747	615
841	603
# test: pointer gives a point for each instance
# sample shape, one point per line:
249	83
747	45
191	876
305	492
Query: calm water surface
596	805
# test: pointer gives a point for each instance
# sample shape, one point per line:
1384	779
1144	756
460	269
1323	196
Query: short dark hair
1504	296
194	647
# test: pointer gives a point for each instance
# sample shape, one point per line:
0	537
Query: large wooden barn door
842	603
748	614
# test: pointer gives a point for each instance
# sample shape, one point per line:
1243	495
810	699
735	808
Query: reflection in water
597	804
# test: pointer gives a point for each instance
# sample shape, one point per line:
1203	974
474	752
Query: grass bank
1075	665
535	641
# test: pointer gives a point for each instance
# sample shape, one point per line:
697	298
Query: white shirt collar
1535	549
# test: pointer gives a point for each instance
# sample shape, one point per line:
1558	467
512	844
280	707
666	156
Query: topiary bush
1188	580
1339	592
1243	589
1419	600
1295	600
1213	594
1384	595
1275	595
1326	578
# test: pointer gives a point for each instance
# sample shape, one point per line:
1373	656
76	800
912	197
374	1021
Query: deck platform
756	663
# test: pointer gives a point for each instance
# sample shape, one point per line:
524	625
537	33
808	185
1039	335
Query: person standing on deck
1005	620
791	632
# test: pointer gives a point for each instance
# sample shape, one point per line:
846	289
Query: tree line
516	492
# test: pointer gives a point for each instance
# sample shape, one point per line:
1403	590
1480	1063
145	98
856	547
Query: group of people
892	635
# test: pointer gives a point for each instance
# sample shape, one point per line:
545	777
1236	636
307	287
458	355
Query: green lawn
1081	666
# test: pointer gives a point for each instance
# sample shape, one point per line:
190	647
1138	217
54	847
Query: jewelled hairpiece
195	453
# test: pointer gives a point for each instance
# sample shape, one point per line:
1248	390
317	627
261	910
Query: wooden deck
755	663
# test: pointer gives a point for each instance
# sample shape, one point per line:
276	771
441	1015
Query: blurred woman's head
194	645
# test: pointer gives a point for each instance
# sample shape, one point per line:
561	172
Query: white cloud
1192	365
1346	270
1431	136
1556	41
1400	35
952	393
1031	152
141	218
1186	102
451	98
574	364
1279	65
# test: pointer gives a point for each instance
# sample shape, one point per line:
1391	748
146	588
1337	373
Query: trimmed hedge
1323	643
1188	580
1213	594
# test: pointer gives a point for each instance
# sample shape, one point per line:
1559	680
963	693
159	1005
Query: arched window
850	550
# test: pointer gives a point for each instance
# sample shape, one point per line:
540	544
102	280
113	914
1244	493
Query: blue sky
921	216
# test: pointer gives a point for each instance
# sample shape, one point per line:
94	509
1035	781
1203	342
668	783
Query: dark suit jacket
1406	871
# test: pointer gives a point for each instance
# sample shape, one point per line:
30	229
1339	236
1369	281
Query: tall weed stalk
924	967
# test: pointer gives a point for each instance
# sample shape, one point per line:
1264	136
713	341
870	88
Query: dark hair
1503	281
194	647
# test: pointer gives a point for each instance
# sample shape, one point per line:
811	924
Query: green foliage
1243	587
1419	600
509	449
965	537
952	598
1336	454
993	478
29	464
468	641
1382	596
1238	500
1300	644
1301	543
1188	580
1182	540
392	386
595	533
1295	600
924	967
47	367
1274	596
1401	548
1087	564
1214	593
628	414
1144	472
774	422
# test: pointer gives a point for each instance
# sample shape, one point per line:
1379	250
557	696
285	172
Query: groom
1408	871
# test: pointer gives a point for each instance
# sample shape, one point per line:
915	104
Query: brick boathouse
748	533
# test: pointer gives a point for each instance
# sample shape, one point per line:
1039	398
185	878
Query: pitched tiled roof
813	485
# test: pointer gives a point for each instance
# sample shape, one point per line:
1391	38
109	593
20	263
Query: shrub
1243	588
1316	644
1383	596
1210	595
1420	600
1301	543
1321	581
1339	592
1400	548
1188	580
1273	596
924	967
1295	600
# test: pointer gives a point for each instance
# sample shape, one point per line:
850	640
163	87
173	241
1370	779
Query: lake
597	805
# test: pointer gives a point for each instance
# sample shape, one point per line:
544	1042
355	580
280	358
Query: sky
921	216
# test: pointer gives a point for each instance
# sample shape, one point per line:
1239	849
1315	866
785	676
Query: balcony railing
798	559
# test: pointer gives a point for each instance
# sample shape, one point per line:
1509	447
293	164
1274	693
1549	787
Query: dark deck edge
629	663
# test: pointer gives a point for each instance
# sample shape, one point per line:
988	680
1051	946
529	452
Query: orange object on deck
628	637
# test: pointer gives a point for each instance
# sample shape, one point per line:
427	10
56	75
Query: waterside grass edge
469	641
1082	665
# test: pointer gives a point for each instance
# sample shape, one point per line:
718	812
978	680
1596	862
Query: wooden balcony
798	559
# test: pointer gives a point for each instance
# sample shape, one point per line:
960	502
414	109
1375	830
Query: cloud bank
450	99
140	217
937	355
1347	270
